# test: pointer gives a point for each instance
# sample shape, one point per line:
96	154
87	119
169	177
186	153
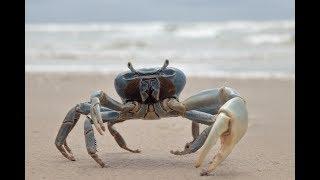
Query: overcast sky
157	10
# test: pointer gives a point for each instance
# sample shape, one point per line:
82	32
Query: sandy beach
265	152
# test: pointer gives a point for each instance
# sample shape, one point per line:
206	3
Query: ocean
238	49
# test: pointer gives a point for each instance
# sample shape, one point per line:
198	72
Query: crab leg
193	115
195	144
195	130
68	123
197	117
107	116
231	125
91	142
111	117
200	117
119	139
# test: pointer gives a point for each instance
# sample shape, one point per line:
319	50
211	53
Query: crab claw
230	126
96	115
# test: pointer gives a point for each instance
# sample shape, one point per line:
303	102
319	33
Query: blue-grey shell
172	82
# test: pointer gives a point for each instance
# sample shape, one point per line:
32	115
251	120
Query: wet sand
265	152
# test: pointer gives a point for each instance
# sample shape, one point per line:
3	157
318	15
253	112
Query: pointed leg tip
104	165
133	151
65	154
204	173
174	152
69	157
72	158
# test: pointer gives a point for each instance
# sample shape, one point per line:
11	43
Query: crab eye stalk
166	63
131	68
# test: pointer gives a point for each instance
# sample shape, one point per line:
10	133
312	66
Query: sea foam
231	48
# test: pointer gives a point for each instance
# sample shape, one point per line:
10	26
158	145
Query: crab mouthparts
150	90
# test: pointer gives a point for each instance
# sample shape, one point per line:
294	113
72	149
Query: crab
153	93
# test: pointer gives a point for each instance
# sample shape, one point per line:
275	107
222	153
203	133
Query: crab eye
129	76
168	72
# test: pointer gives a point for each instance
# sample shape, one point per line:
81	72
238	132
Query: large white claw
96	115
230	126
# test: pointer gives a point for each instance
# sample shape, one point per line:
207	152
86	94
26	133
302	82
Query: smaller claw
96	116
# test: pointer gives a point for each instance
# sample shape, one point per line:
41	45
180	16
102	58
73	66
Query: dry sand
265	152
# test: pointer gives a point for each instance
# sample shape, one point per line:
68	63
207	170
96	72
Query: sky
157	10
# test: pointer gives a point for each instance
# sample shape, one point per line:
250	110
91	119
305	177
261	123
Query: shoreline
212	75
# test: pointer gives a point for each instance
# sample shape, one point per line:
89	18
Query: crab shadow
120	161
142	161
124	160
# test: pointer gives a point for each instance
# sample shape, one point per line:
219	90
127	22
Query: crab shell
150	85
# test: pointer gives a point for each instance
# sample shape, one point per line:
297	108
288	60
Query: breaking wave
229	48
